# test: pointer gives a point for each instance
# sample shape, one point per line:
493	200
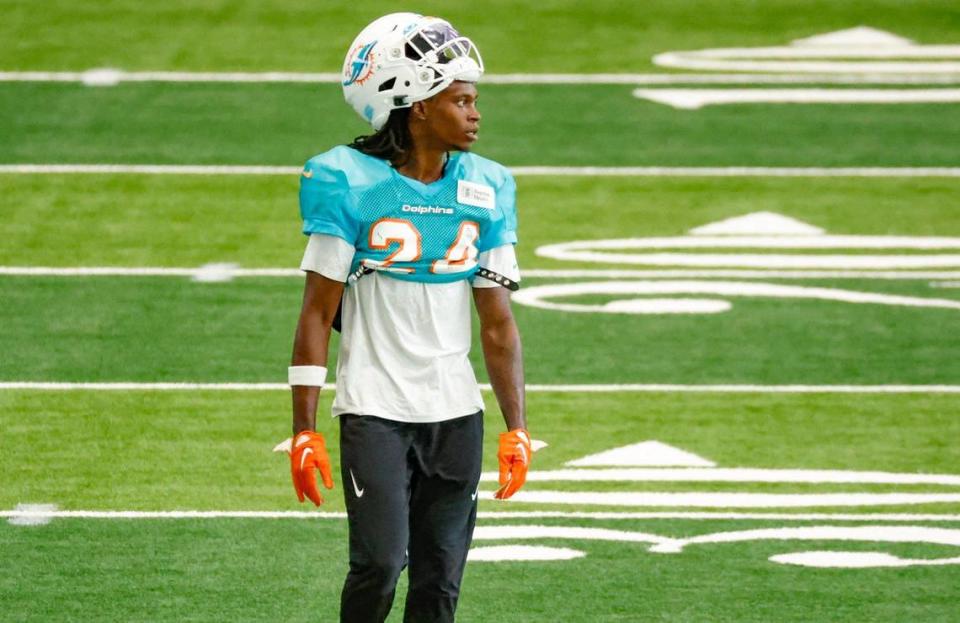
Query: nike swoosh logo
303	457
523	452
475	493
356	489
308	174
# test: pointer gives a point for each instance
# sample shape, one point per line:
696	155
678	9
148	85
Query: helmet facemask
442	56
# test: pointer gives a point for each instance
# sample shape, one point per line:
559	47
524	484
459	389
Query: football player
407	227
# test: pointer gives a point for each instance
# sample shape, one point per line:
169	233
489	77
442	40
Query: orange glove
514	456
308	452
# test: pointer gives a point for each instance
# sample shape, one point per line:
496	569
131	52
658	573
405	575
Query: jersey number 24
461	256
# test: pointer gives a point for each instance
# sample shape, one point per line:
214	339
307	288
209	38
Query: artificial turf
211	450
549	36
208	450
570	125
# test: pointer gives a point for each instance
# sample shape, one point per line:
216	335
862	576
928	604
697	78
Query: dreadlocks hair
392	142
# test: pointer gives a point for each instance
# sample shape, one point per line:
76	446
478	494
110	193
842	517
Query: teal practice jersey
408	229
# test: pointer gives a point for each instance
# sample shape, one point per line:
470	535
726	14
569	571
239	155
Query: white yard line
732	273
152	387
694	99
752	389
157	271
160	271
111	77
741	171
696	516
732	474
712	499
539	296
149	169
532	388
552	171
706	516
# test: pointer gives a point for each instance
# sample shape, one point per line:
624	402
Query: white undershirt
405	344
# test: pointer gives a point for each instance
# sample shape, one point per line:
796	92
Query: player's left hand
308	453
514	457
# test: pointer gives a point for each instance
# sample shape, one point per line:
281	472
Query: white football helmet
404	58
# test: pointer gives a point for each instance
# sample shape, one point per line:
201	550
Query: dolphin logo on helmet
361	67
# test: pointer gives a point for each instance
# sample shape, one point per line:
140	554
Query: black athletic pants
411	494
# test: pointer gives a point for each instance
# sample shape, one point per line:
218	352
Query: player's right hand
308	453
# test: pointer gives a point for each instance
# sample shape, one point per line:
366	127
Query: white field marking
132	386
706	516
149	169
571	251
944	78
531	388
537	296
103	77
106	76
694	99
945	284
855	50
623	250
182	514
698	499
857	560
32	514
497	533
551	171
734	274
501	553
111	77
763	229
886	534
649	453
663	544
158	271
215	273
733	474
495	515
857	36
737	171
762	260
150	271
761	223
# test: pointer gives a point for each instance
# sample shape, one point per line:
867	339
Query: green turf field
811	468
551	36
522	125
210	451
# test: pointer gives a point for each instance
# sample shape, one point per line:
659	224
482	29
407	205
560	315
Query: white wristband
313	376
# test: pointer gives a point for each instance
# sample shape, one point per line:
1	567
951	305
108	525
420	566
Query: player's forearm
305	408
309	349
503	355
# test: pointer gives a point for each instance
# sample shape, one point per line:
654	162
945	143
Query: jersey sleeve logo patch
472	194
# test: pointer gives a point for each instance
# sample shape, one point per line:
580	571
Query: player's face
453	117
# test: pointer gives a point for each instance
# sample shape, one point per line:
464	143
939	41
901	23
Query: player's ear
419	110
